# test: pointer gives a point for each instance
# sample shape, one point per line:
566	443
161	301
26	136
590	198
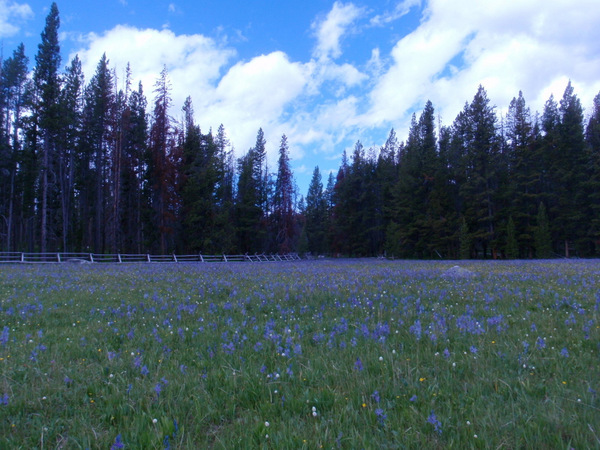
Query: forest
88	167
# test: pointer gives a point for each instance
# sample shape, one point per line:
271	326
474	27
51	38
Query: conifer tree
164	170
46	80
283	202
71	102
316	215
13	80
543	239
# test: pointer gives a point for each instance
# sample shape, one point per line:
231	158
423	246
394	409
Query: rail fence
83	258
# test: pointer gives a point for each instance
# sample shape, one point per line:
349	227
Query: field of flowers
332	354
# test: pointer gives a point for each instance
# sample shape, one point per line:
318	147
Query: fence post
91	257
119	257
148	257
22	257
174	257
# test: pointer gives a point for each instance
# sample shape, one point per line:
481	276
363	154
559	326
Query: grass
332	354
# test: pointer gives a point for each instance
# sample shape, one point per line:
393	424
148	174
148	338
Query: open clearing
339	354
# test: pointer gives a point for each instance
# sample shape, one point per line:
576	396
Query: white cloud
255	94
194	62
12	13
323	105
401	9
330	30
530	45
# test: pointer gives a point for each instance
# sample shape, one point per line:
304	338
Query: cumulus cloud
255	94
530	45
326	102
330	30
11	14
194	62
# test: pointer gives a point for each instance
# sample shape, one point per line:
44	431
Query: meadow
308	354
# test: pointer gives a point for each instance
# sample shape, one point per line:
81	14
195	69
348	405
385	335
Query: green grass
204	356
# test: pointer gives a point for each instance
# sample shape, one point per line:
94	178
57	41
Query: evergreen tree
569	170
224	197
248	213
163	172
592	137
543	239
316	215
522	193
512	246
95	165
414	217
135	205
464	238
283	202
71	102
13	80
46	81
480	164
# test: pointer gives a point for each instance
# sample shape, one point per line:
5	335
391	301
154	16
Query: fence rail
82	258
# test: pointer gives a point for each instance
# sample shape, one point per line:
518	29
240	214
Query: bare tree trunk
44	207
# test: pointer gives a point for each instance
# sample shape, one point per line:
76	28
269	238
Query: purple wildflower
413	398
437	425
473	349
4	336
145	370
4	399
416	329
375	396
540	343
564	352
358	365
118	443
381	416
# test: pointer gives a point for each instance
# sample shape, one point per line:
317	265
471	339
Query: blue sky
328	73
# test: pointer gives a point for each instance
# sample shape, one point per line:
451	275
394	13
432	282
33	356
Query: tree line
88	167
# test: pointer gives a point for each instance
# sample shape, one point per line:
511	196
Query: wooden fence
82	258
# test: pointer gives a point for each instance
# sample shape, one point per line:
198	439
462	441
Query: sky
327	73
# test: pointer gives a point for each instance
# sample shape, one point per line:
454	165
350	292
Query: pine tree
521	194
569	172
543	239
71	102
95	164
13	79
480	163
135	205
464	239
413	208
592	137
165	159
512	246
248	214
283	202
224	196
46	81
316	215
